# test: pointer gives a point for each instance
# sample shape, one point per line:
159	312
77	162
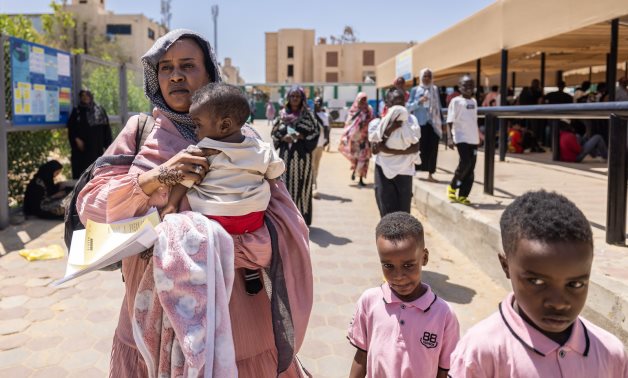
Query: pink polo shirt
505	345
403	339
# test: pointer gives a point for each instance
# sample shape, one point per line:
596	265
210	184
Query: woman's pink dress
114	194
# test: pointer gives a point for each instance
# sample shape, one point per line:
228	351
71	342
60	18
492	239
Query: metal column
489	154
478	79
611	68
543	72
4	151
123	95
554	124
377	102
559	76
503	133
616	198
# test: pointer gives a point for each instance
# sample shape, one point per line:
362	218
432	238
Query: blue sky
242	23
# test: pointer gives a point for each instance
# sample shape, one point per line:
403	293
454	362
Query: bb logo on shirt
470	106
429	340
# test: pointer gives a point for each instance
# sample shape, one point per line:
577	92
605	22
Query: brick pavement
67	331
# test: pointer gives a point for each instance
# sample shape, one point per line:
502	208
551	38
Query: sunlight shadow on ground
324	238
450	292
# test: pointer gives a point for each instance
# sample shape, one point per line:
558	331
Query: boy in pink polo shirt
402	329
537	330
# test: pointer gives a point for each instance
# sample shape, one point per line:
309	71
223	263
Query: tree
28	150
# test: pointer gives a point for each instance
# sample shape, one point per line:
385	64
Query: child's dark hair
543	216
223	100
399	226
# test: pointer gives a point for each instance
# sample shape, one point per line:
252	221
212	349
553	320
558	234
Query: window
119	29
332	59
331	77
368	57
151	34
290	52
290	70
82	1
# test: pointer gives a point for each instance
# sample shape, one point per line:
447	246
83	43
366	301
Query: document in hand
102	244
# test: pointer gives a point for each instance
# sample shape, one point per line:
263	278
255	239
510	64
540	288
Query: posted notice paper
102	244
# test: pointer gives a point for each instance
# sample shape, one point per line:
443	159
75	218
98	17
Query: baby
235	192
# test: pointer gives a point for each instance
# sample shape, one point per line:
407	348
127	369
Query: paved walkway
67	331
583	183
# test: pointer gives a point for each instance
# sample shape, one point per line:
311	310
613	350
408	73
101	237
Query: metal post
489	154
503	134
377	102
543	72
513	79
4	152
590	74
77	78
124	94
555	125
559	76
616	198
612	61
478	78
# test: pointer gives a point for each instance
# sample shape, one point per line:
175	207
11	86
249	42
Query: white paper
63	64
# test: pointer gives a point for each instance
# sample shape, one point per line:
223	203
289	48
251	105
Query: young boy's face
402	263
207	126
466	86
550	283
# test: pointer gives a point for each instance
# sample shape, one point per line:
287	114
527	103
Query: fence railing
116	86
615	112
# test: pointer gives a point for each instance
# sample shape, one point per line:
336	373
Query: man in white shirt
394	169
462	118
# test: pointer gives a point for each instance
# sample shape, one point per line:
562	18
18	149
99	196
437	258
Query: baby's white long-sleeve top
236	182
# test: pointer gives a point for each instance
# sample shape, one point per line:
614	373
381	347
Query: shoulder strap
145	124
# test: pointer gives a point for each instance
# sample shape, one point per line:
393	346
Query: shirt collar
424	302
533	339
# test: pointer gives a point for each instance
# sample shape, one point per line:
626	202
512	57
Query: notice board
41	80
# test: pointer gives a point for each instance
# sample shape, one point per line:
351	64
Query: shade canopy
573	34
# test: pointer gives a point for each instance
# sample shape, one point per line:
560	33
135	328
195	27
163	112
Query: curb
607	303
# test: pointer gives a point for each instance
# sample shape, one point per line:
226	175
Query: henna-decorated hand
189	164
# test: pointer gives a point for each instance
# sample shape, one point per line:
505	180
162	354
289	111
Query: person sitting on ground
234	192
429	329
574	148
520	139
537	330
462	118
43	197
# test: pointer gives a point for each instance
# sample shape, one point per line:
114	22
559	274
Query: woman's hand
287	138
189	164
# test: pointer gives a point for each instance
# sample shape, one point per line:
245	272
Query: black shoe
353	176
361	183
252	281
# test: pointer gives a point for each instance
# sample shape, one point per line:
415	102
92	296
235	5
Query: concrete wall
96	17
350	65
277	61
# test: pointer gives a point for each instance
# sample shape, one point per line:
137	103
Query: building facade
231	73
289	56
135	33
293	57
352	62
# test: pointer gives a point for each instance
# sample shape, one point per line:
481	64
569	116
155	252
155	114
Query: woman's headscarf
95	114
434	109
46	173
287	116
150	61
355	108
